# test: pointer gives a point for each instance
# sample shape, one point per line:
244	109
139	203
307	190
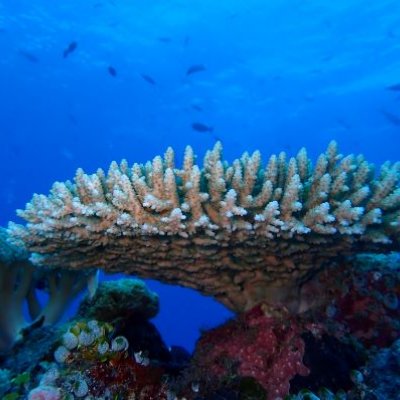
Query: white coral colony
241	232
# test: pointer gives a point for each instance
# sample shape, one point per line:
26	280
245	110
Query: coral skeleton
243	232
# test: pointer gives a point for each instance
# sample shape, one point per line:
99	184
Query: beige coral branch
241	232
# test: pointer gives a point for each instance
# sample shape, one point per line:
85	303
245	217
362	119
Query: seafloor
347	348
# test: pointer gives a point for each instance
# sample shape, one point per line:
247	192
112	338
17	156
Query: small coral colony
305	255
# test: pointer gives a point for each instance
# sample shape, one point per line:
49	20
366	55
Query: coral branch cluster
243	232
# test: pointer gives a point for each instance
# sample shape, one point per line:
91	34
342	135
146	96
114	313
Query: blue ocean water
277	75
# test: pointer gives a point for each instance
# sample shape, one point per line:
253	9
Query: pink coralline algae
44	393
256	345
362	301
370	309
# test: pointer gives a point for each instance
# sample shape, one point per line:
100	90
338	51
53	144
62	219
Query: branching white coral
242	232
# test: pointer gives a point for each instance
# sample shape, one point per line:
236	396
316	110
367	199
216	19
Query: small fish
29	56
112	71
67	154
309	98
148	79
395	87
327	57
164	39
197	108
203	128
93	283
200	127
392	118
72	119
195	68
70	49
343	123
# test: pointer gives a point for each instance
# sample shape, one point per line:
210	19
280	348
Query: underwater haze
83	83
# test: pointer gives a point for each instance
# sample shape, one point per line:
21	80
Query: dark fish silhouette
327	58
195	68
309	98
392	118
196	107
200	127
395	87
72	119
343	123
29	56
99	4
148	79
203	128
112	71
164	39
70	49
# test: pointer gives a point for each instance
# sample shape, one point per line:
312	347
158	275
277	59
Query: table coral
242	232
